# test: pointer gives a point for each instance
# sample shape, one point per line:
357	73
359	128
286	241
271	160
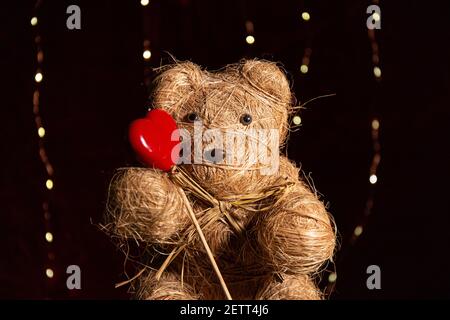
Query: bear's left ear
267	77
175	84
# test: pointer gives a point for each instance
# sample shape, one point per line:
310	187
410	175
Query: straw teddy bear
219	220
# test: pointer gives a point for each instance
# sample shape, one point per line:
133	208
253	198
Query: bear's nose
214	155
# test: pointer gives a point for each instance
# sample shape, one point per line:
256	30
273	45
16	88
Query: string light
375	124
147	54
47	215
304	68
49	184
297	120
147	50
49	236
38	77
332	277
250	28
49	273
358	231
376	153
377	71
41	131
306	16
40	57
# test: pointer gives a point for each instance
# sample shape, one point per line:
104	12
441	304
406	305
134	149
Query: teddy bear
222	227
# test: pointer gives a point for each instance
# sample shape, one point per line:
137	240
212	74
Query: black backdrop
93	88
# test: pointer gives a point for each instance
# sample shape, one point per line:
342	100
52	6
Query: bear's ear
267	77
175	84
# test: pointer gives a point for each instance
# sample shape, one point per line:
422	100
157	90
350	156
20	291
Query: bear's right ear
175	84
267	77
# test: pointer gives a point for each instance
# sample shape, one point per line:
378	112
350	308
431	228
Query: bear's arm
297	236
144	204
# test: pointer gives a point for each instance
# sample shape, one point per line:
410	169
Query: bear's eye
246	119
193	116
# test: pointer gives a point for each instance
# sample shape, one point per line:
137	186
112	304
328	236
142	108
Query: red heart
152	140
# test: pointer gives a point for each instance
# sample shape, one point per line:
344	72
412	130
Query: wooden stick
205	244
129	280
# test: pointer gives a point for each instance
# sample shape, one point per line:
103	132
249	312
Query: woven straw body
269	233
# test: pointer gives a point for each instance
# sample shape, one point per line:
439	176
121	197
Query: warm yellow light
49	184
297	120
332	277
49	273
34	21
41	132
358	231
377	72
306	16
49	236
376	16
145	2
304	68
373	179
147	54
38	77
250	39
375	124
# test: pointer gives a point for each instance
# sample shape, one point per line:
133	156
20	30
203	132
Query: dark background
93	87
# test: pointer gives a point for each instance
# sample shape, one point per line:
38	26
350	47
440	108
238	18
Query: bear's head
234	120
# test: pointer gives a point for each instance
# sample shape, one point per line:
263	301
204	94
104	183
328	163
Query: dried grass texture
144	206
270	234
258	88
290	288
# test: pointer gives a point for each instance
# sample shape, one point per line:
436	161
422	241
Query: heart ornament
156	140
